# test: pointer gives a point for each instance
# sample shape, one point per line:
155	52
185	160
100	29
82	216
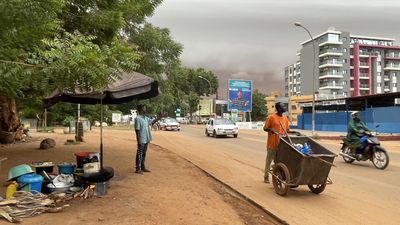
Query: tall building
345	65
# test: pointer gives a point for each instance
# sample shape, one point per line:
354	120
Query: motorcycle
370	149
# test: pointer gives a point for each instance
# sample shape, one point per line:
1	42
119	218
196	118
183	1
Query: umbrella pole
101	134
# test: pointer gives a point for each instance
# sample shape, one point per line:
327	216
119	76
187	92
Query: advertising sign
205	107
116	117
239	95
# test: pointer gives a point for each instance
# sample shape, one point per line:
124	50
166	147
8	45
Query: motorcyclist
355	130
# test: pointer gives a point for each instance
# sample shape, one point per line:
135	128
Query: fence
388	119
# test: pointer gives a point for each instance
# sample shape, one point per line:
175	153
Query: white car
169	124
221	127
183	120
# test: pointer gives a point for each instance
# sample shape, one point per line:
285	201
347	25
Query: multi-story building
344	65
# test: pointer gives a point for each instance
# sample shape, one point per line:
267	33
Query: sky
256	39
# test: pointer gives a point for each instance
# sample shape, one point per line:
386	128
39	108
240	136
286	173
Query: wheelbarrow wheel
317	188
282	172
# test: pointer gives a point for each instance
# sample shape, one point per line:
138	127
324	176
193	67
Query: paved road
360	194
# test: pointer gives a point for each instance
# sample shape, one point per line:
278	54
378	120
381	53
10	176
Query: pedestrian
273	125
143	137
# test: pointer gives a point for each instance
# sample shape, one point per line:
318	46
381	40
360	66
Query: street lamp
210	91
298	24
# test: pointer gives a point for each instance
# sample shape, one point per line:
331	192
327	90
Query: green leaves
259	111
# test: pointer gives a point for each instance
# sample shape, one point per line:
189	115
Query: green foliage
259	111
159	51
193	101
80	44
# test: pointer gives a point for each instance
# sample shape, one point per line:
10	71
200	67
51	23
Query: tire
215	134
235	135
380	158
281	171
317	188
206	133
347	151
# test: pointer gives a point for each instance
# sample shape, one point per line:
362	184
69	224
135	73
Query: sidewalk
333	135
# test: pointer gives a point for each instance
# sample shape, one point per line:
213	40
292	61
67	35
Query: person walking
273	125
143	137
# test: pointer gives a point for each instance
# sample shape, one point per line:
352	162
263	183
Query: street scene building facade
344	65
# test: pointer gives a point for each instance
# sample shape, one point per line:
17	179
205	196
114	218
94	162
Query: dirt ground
175	192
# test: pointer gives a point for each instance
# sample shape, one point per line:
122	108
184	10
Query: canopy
130	86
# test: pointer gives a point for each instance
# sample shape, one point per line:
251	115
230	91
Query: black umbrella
128	87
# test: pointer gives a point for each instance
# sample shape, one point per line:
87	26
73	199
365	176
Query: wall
387	117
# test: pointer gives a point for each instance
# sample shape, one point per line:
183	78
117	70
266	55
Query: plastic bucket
30	182
80	157
66	168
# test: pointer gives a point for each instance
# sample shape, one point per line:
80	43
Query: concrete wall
387	117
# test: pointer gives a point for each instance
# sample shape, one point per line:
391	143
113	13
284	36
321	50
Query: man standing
143	137
272	125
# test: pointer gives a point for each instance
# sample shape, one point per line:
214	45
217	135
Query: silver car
169	124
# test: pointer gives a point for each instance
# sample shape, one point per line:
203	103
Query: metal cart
293	168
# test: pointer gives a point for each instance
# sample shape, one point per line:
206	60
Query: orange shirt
272	121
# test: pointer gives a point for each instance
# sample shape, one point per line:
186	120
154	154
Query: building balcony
386	88
330	75
364	87
392	67
330	63
325	86
364	76
392	56
329	52
367	54
329	42
386	78
363	65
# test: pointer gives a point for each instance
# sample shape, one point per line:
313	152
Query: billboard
205	107
239	95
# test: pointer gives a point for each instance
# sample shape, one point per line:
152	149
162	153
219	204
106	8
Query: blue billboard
239	95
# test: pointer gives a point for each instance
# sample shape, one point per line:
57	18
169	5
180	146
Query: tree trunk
9	119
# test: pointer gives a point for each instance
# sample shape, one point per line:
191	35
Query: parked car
221	127
169	124
183	120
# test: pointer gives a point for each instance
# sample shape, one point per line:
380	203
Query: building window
344	39
344	82
294	107
394	84
379	74
379	85
344	72
344	49
344	60
333	37
394	74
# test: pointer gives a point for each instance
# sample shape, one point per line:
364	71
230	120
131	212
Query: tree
259	111
193	101
66	44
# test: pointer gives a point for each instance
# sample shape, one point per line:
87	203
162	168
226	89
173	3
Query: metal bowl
59	187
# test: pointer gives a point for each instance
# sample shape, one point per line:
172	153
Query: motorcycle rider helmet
355	113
